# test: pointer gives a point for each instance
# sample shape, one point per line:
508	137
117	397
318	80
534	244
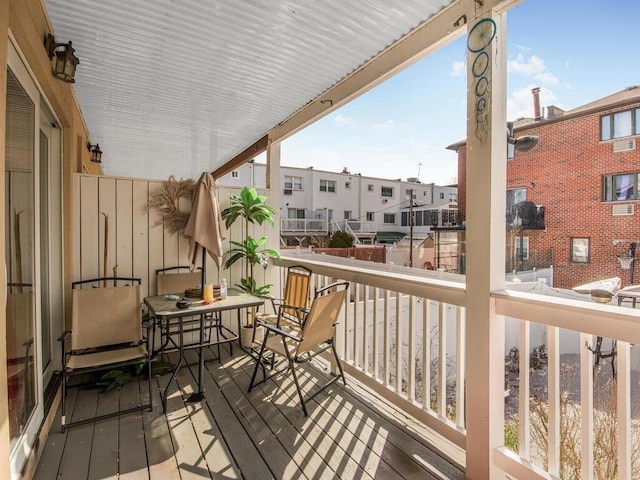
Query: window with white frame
386	191
328	186
296	213
621	187
370	187
347	214
525	248
292	183
580	250
620	124
235	174
370	216
441	195
389	218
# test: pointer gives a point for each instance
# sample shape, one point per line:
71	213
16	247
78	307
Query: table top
161	307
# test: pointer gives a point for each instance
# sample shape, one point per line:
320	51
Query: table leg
199	395
165	395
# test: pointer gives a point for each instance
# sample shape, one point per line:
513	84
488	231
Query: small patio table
165	310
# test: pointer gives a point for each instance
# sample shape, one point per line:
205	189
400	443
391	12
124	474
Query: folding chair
294	304
177	280
316	336
106	334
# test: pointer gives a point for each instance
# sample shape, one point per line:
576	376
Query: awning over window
389	237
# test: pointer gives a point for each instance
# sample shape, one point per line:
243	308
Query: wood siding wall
137	241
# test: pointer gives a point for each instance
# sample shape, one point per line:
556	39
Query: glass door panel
19	256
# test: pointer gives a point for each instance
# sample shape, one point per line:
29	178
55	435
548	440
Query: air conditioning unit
624	145
288	191
622	210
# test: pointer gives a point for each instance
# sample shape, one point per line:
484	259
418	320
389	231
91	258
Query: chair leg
149	381
335	354
64	399
258	365
295	380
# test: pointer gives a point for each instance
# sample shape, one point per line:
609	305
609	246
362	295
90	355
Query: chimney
536	103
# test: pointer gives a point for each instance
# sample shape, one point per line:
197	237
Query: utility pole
411	227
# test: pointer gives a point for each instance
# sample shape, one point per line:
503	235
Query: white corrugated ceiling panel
175	87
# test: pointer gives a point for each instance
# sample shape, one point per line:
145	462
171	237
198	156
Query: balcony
303	226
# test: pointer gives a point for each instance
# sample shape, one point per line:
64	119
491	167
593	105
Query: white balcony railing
426	310
304	226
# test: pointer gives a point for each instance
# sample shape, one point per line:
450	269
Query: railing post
485	237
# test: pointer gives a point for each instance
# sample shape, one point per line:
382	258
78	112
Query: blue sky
576	50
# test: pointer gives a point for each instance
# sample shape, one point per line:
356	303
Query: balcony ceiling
175	87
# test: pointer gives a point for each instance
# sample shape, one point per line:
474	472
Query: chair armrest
64	335
279	331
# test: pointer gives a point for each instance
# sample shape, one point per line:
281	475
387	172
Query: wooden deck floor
238	435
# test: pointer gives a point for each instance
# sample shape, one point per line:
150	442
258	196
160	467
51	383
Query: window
370	187
410	193
328	186
296	213
370	216
389	218
515	196
386	191
579	250
453	197
292	183
525	250
622	187
347	214
620	124
235	174
441	195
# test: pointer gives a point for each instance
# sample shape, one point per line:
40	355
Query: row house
571	199
315	203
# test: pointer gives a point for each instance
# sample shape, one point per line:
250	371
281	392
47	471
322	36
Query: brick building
585	174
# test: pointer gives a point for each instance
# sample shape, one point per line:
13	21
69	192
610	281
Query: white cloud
384	126
341	119
458	69
522	47
533	67
520	103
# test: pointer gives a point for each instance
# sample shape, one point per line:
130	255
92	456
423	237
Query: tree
341	239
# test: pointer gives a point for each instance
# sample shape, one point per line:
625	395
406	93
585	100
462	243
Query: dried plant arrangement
165	200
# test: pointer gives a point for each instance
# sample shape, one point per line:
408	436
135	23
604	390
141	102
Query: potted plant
251	207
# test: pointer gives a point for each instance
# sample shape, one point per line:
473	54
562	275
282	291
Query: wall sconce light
96	153
66	61
521	144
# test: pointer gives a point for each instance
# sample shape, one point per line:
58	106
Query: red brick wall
564	174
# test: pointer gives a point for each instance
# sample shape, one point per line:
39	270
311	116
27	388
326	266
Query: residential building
582	182
315	203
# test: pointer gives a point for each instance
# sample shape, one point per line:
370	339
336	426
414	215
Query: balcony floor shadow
349	433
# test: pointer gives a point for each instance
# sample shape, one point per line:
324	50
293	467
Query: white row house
315	203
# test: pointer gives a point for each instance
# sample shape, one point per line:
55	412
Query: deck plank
284	397
219	460
275	456
77	452
241	444
104	451
51	458
189	456
133	454
234	434
157	437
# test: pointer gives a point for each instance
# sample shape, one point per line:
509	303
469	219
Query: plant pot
258	337
246	336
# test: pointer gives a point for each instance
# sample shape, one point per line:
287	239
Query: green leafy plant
251	207
341	239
